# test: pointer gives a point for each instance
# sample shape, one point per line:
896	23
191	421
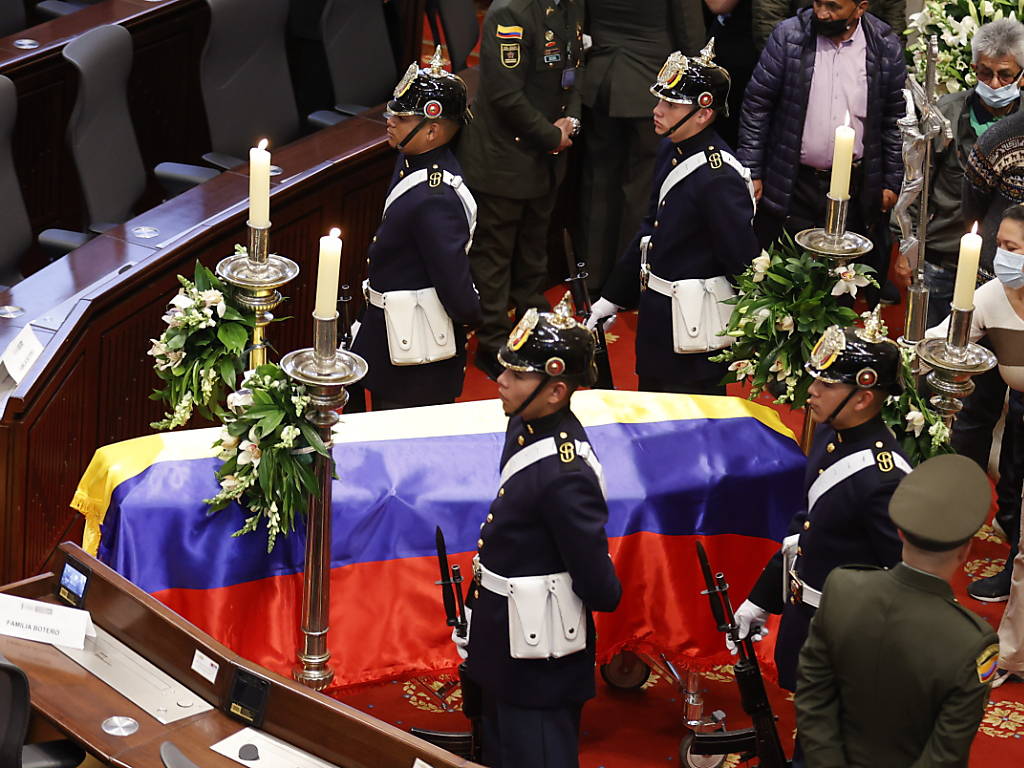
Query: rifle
464	744
577	281
763	739
356	402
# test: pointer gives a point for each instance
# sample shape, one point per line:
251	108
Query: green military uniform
895	672
530	54
631	41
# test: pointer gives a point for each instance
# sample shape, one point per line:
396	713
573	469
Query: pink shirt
839	84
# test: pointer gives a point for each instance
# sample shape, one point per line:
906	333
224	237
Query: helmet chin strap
532	397
678	125
842	405
413	132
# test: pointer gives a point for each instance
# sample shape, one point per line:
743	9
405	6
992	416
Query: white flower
780	370
250	453
229	482
288	435
986	9
915	421
742	369
237	401
181	301
174	319
849	281
760	316
158	348
785	324
761	265
300	402
921	20
171	358
215	299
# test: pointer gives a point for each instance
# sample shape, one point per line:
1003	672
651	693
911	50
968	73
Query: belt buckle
796	587
476	569
645	276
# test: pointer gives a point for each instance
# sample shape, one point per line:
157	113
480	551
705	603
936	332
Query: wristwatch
575	126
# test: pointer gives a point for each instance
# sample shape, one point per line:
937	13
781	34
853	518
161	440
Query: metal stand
833	242
954	361
325	371
257	275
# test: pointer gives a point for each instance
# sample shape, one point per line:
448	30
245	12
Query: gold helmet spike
707	55
437	63
874	327
564	313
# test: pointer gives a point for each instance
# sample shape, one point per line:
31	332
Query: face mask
1009	268
833	28
997	98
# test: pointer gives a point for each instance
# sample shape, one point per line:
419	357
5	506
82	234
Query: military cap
552	343
864	357
942	503
431	92
694	80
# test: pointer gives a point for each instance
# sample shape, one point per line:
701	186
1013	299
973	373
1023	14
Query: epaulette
435	180
714	158
568	458
886	461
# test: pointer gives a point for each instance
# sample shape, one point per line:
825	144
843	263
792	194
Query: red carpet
629	729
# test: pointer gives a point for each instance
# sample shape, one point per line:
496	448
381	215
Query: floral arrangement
912	419
198	356
786	300
268	449
954	22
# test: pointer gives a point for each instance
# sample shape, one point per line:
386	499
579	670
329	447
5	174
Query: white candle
259	185
842	161
327	275
967	269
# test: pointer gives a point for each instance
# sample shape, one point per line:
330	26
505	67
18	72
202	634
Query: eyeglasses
1005	76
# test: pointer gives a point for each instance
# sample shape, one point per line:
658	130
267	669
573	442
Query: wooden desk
76	702
96	308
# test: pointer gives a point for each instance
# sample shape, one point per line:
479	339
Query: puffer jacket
775	107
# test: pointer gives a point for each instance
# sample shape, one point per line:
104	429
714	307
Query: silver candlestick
954	361
832	241
325	371
257	274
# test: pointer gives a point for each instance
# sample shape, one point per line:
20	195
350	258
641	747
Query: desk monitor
74	582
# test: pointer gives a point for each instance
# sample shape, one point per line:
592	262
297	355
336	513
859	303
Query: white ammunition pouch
419	330
546	619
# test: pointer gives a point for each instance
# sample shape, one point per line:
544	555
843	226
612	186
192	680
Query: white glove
602	309
462	643
750	619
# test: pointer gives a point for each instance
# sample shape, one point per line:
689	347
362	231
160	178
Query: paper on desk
20	354
272	753
44	622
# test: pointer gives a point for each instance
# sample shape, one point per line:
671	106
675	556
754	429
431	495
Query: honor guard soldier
696	236
526	110
419	293
542	563
852	470
895	672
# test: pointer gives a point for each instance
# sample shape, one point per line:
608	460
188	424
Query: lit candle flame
335	232
846	120
263	144
974	229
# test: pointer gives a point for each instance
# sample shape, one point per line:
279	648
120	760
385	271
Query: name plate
44	622
21	353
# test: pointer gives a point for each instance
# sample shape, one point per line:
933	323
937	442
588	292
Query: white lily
250	453
761	265
158	348
229	482
239	400
849	281
181	301
915	421
780	370
785	324
742	369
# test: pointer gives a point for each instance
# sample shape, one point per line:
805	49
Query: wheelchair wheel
626	671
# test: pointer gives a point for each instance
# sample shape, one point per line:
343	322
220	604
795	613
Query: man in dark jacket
767	14
818	66
513	153
697	234
542	564
630	42
417	259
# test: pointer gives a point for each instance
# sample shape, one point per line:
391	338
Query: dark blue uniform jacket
547	518
849	525
702	230
420	243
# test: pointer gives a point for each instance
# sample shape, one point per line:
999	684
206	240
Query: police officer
418	257
698	225
852	471
542	553
527	108
895	672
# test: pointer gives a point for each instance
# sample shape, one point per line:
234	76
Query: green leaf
312	438
202	275
270	422
779	279
177	340
233	336
228	371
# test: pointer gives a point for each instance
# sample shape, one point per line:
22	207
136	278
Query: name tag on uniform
568	77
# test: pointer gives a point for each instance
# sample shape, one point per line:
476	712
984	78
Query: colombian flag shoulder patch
510	32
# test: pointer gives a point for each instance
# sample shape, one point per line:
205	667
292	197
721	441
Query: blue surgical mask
1009	268
997	98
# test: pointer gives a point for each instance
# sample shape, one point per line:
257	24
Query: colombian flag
677	468
509	33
